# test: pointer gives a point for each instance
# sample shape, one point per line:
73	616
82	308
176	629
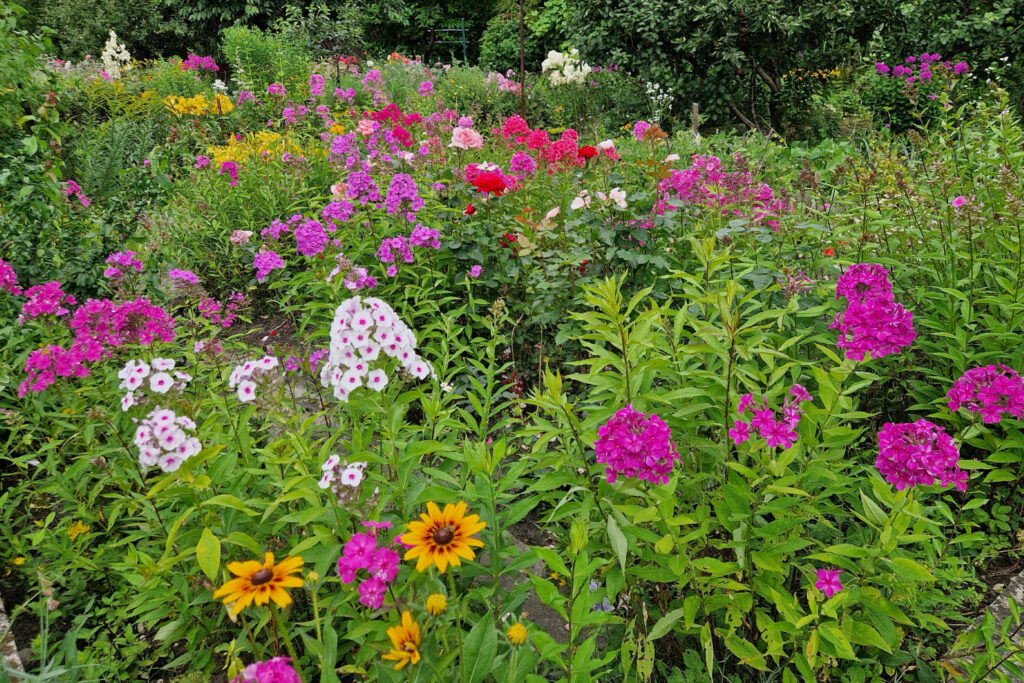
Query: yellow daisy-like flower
516	634
443	538
260	583
436	604
405	642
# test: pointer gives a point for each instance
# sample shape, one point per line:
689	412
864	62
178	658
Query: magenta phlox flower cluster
828	581
363	329
245	96
252	375
922	68
142	322
8	279
873	322
222	314
166	440
360	187
44	366
639	128
316	85
231	168
522	163
504	81
310	238
274	670
776	432
422	236
295	363
277	228
196	63
633	444
921	452
120	263
734	193
402	191
391	248
991	391
71	189
162	376
339	211
265	262
276	89
202	161
426	88
380	562
354	277
45	299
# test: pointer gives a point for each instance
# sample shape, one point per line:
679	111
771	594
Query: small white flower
127	401
161	382
330	463
247	391
268	362
162	364
326	480
352	476
377	380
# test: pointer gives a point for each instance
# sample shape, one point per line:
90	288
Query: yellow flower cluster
801	74
265	143
200	105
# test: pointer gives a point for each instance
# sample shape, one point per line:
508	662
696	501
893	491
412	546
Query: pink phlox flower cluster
292	114
523	164
475	271
774	431
122	260
295	363
195	63
202	161
251	375
639	128
338	210
347	94
266	261
316	85
274	670
185	276
633	444
222	314
828	581
354	277
245	96
363	328
515	128
166	440
142	322
310	238
873	322
504	81
71	189
45	299
734	193
276	89
231	168
426	88
990	391
921	452
278	228
44	366
8	279
372	76
381	563
465	122
563	153
162	376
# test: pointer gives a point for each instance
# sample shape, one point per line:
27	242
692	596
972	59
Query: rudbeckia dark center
444	535
261	577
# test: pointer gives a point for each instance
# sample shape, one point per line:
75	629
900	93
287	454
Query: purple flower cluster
295	363
71	189
8	278
276	89
222	314
338	210
360	186
316	85
403	189
775	432
361	552
426	88
989	391
633	444
919	452
873	322
45	299
231	168
265	262
924	65
310	238
275	670
186	276
522	163
125	260
195	63
278	228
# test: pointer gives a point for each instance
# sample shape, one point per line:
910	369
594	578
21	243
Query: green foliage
259	58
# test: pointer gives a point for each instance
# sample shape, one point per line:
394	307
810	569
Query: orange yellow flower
516	634
443	538
77	529
436	604
260	583
405	642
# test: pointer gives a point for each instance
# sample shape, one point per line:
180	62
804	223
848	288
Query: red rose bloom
490	182
470	209
588	152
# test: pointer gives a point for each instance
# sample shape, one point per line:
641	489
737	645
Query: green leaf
227	500
478	651
906	568
208	553
863	633
618	540
666	623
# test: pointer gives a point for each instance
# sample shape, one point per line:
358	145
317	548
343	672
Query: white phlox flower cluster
362	330
565	67
246	378
158	377
115	57
166	440
341	472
